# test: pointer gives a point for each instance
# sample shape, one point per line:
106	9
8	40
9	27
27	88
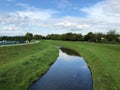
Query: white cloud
71	25
11	33
24	20
104	16
11	27
110	8
32	15
32	12
101	17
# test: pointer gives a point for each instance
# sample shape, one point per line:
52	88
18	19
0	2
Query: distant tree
112	36
0	38
74	37
5	38
29	36
38	37
68	37
99	37
54	36
79	37
91	37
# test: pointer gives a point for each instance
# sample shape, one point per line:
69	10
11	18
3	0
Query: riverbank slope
21	65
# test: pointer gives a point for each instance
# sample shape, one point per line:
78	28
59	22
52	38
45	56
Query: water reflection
67	73
69	51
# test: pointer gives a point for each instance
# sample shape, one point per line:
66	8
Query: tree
54	36
29	36
79	37
99	37
68	36
90	37
38	37
112	36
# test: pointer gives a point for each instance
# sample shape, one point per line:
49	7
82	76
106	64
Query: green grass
21	65
104	61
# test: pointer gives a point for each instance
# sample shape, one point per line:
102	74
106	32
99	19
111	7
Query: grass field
20	65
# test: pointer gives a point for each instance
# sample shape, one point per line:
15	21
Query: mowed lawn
21	65
103	60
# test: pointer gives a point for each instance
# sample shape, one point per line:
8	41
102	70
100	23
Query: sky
44	17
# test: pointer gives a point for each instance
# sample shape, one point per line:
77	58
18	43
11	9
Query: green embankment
20	65
104	61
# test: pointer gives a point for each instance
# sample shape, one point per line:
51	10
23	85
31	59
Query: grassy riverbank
20	65
104	61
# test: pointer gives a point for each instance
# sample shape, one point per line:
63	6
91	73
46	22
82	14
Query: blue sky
58	16
65	7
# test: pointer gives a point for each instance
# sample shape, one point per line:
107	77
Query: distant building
26	41
102	38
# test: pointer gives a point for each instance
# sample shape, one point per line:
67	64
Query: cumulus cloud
71	25
104	15
11	27
24	20
32	12
11	33
101	17
32	15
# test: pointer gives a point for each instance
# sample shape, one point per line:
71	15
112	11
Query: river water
69	72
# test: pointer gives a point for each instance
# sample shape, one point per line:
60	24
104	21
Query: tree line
28	36
109	37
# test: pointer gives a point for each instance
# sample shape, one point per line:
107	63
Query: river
69	72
